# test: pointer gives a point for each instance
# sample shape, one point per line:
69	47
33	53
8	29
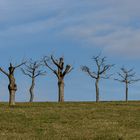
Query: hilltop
70	121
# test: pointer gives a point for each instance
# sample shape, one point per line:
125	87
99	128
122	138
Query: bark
12	90
61	91
12	97
32	90
97	90
126	94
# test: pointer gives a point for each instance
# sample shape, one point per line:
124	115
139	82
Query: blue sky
77	30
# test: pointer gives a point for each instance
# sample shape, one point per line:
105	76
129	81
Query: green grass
70	121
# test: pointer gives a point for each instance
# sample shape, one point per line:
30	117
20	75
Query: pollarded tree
127	77
60	73
12	87
99	73
33	70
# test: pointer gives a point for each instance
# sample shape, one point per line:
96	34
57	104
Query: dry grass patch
70	121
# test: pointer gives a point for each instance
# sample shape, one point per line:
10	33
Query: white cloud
113	28
108	24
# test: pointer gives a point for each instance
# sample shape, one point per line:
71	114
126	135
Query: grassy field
70	121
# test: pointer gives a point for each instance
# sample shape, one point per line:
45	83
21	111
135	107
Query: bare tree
99	73
32	70
60	73
127	77
12	87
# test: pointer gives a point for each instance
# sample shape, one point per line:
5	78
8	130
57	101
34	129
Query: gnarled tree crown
101	68
11	68
61	70
33	69
127	76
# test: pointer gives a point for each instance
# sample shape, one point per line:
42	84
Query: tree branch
86	69
20	65
40	73
123	81
54	71
4	72
25	73
67	70
55	62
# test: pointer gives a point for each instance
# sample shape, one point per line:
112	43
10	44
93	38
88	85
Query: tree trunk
97	90
32	90
61	91
12	97
126	93
12	90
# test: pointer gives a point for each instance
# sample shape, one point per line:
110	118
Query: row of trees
126	76
33	69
